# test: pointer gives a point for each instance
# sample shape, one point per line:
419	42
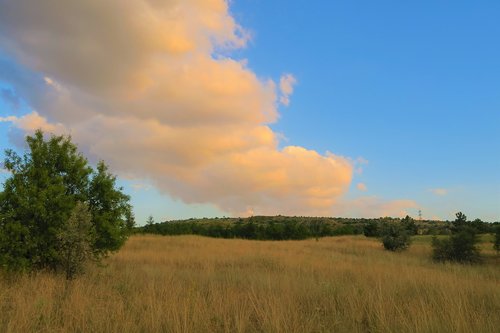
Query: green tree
316	226
372	229
38	198
461	246
150	220
109	208
409	225
496	244
75	240
395	237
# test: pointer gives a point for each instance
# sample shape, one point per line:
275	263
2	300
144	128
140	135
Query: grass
196	284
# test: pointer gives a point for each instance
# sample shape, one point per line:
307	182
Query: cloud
33	121
358	164
439	191
137	186
154	92
361	187
287	82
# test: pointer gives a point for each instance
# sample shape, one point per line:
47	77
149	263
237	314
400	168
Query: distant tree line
298	227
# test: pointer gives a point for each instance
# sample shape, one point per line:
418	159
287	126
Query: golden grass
195	284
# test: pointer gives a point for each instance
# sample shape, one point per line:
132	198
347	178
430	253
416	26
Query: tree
395	237
496	244
371	229
316	226
45	185
461	246
109	208
409	225
150	220
76	239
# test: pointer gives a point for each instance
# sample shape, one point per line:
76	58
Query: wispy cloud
439	191
362	187
156	95
287	82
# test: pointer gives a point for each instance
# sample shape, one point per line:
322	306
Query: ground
197	284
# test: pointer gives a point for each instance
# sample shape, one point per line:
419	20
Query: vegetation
40	214
496	242
76	238
199	284
461	246
296	227
395	237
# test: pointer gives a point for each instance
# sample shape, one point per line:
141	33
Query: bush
460	246
496	241
371	229
395	237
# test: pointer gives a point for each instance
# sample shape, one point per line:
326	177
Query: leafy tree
371	229
461	246
150	220
130	221
460	222
45	185
409	225
496	244
395	237
316	227
109	208
76	239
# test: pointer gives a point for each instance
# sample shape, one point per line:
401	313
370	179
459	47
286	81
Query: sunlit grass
195	284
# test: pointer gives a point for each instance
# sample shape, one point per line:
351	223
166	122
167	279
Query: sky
253	107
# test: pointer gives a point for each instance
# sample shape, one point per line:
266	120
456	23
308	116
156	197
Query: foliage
461	246
395	237
372	229
110	210
293	227
45	185
409	225
496	241
76	238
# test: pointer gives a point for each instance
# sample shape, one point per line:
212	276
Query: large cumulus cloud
149	86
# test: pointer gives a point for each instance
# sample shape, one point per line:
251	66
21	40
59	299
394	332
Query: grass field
195	284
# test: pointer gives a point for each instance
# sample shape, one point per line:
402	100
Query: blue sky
412	89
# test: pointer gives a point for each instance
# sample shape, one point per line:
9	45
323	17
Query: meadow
198	284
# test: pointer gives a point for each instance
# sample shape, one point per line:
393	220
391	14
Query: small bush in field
395	237
461	246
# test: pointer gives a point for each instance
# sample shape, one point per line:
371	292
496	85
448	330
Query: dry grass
195	284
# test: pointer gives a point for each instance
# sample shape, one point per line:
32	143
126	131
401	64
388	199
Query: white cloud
156	96
439	191
362	187
287	82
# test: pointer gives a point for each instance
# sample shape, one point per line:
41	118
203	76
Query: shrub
460	246
395	237
496	241
371	229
